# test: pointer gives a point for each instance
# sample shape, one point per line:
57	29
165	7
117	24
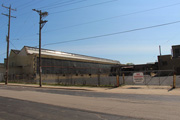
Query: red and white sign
138	77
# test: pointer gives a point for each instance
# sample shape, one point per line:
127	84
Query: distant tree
129	63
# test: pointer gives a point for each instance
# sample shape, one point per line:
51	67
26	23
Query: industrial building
167	64
68	68
56	65
170	62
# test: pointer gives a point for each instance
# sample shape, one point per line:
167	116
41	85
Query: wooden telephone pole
7	39
41	24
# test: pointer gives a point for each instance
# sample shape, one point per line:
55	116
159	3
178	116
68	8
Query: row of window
56	66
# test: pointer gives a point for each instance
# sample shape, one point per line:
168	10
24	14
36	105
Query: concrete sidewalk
127	89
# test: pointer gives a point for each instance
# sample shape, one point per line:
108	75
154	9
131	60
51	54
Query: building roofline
15	51
164	55
68	55
175	45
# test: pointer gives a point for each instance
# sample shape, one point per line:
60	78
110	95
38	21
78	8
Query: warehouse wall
58	66
21	64
94	80
24	68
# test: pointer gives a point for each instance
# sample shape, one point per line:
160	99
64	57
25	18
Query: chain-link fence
1	77
99	77
96	77
92	76
154	77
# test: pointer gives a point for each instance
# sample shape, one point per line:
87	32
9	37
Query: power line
114	1
65	5
69	4
171	5
9	2
83	7
25	13
55	4
31	4
42	7
114	17
24	29
25	3
13	45
110	34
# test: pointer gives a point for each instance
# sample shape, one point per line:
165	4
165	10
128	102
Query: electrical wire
13	45
110	34
65	5
30	4
55	4
73	8
114	17
43	7
116	0
82	7
51	6
25	30
25	3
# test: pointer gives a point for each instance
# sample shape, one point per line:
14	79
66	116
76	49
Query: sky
101	28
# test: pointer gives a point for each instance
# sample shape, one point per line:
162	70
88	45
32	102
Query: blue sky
75	19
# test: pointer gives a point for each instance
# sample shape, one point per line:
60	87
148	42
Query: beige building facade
56	65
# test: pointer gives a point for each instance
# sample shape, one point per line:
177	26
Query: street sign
138	77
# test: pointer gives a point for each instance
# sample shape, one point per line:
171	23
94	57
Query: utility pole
41	24
7	39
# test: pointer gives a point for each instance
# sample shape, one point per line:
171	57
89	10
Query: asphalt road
28	103
14	109
86	93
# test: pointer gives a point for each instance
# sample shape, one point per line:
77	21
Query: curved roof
46	52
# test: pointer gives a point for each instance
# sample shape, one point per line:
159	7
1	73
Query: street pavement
14	109
124	103
127	89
